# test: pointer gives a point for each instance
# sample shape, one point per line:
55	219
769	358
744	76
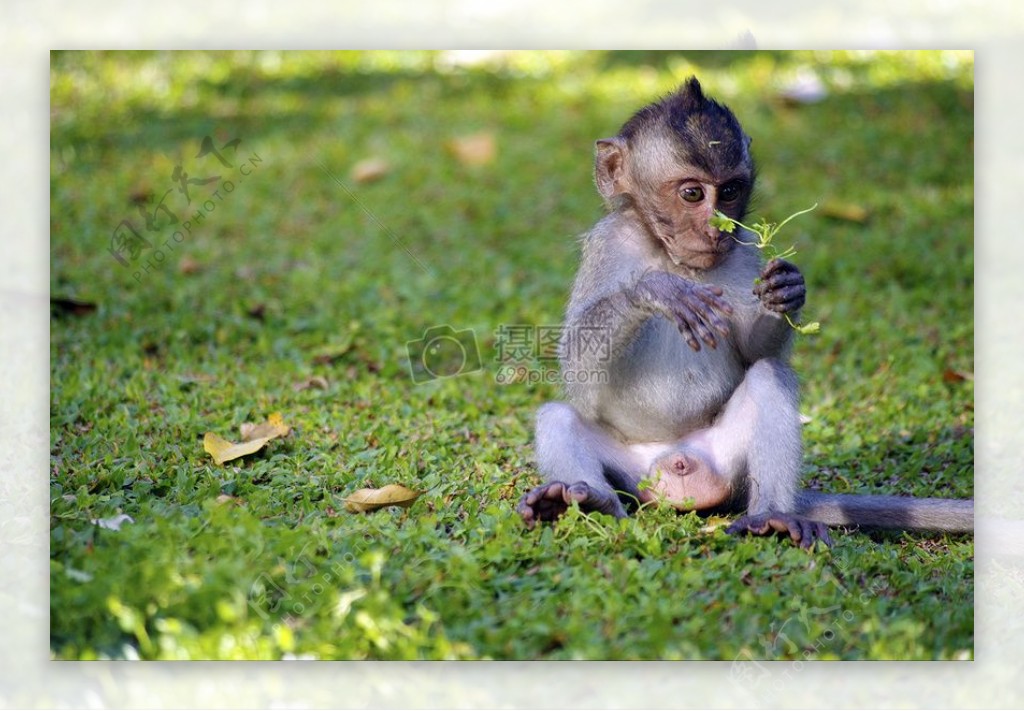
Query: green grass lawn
302	271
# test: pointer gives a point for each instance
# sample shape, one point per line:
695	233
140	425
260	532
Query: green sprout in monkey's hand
765	232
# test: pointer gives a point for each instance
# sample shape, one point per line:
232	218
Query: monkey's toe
802	531
543	503
550	501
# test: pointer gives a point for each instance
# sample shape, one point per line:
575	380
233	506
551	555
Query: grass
301	272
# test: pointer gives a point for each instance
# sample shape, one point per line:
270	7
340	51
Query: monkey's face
682	206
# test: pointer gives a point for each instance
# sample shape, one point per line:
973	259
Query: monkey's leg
759	435
580	463
754	447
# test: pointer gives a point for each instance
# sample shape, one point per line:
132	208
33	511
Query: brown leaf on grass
475	149
257	311
254	438
73	307
316	381
328	354
956	376
187	265
369	170
366	500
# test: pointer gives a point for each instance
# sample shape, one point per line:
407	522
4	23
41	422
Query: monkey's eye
691	193
729	192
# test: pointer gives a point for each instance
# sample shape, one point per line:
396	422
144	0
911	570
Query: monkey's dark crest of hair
707	133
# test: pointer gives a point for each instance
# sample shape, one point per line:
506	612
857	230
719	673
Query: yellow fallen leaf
848	211
714	522
223	451
475	149
330	353
372	499
369	170
273	427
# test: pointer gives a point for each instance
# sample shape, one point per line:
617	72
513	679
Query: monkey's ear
610	167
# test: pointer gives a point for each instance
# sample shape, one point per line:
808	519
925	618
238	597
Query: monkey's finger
821	532
748	524
782	279
712	297
578	492
705	307
682	323
806	529
551	490
812	532
777	265
525	510
697	322
784	294
785	524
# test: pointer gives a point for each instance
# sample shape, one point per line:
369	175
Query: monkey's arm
697	310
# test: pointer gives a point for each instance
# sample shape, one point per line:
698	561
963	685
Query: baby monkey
675	349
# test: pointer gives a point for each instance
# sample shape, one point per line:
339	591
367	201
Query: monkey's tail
902	512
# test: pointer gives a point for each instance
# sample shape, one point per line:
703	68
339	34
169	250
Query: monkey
675	349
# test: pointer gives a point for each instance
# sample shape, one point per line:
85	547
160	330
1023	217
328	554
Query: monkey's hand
549	501
696	309
801	530
781	287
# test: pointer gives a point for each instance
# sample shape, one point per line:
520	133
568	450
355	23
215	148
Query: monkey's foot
549	501
801	530
687	481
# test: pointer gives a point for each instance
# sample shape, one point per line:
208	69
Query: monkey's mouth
700	258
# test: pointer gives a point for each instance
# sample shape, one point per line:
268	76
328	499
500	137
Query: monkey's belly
663	403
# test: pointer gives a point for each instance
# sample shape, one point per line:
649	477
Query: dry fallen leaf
187	265
273	427
475	149
848	211
369	170
254	437
61	307
113	523
315	381
711	523
223	451
956	376
366	500
330	353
